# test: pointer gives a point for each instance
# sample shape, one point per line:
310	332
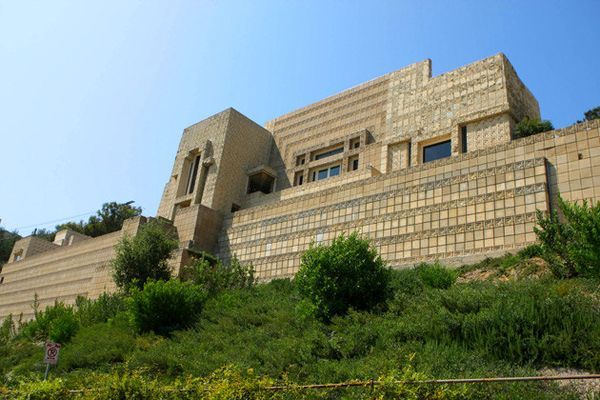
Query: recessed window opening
463	139
437	151
353	164
355	143
192	175
299	178
329	153
260	182
300	160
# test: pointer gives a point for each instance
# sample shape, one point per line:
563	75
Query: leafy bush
7	329
528	127
527	323
571	244
347	274
531	251
216	276
162	307
99	346
105	307
145	256
436	276
57	323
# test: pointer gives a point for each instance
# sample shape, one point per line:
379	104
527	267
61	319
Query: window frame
447	141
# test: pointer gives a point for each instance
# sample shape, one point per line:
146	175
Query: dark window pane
322	174
354	165
463	139
334	171
436	151
329	153
193	174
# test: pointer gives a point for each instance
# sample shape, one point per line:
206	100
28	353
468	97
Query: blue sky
94	95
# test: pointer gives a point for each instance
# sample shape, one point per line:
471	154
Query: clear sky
94	95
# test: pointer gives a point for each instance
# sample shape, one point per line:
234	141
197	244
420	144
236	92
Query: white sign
51	354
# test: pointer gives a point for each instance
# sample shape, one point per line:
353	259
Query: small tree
347	274
528	127
591	115
145	256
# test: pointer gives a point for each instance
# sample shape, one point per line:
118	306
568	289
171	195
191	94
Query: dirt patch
585	388
533	268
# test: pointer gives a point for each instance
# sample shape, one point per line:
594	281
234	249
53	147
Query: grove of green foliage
215	333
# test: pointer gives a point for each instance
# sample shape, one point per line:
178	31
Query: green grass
441	328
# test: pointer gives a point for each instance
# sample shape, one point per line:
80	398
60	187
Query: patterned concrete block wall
63	273
472	204
206	137
452	209
410	106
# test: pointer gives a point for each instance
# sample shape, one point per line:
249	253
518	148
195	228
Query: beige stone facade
426	167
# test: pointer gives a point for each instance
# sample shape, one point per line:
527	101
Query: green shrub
162	307
7	330
57	323
101	309
145	256
531	251
528	127
99	345
436	276
571	244
347	274
528	323
216	276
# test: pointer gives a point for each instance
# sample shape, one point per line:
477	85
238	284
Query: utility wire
42	224
54	221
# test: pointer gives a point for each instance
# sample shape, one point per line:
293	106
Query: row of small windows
353	144
432	152
326	172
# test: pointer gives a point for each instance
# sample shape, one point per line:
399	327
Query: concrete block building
426	167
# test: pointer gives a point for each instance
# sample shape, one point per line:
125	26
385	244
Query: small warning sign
51	355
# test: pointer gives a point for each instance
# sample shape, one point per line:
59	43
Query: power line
65	218
54	221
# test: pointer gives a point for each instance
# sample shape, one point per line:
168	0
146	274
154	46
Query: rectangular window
329	153
298	178
353	163
326	173
300	160
355	143
463	139
192	175
437	151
